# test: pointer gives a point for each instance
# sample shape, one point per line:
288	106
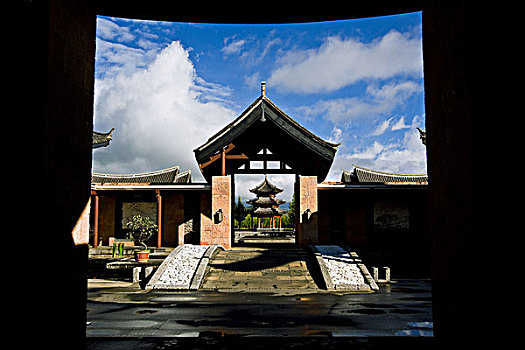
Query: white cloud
111	31
252	79
234	47
376	102
371	152
341	62
400	124
382	127
336	135
160	114
386	125
409	156
116	58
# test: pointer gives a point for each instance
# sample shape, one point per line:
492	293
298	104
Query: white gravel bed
343	270
180	269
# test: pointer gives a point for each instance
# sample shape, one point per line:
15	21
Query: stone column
217	229
307	228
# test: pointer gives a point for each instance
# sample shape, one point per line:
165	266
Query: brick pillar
215	230
307	227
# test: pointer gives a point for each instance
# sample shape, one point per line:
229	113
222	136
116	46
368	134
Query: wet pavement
400	309
256	297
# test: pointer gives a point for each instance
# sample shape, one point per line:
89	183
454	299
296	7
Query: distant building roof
163	176
268	211
265	201
422	136
102	139
364	175
266	188
266	204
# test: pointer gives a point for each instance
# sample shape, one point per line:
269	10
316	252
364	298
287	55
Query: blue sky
166	87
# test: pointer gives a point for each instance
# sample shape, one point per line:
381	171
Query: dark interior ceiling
241	12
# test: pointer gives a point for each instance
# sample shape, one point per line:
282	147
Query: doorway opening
263	210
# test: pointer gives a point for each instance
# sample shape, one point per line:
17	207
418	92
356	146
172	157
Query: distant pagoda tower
266	205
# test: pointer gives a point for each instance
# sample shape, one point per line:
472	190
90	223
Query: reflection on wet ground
402	308
260	299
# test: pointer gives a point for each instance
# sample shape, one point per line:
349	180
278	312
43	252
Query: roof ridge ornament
263	117
263	96
263	88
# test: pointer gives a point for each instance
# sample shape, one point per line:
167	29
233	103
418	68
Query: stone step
192	267
342	269
183	269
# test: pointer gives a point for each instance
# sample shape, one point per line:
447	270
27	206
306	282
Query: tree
291	211
141	229
239	211
288	220
247	222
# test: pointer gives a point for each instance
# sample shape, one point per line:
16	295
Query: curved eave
324	149
268	212
266	187
102	139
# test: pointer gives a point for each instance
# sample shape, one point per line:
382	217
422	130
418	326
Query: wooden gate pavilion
264	140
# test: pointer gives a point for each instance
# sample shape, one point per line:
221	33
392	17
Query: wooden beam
216	156
223	158
237	156
266	171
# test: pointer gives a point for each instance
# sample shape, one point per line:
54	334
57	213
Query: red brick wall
106	218
172	218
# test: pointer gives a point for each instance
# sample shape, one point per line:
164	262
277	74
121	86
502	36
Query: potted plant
141	229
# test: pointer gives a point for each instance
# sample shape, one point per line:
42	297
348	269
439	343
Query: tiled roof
266	187
102	139
265	201
184	177
364	175
164	176
270	211
422	136
251	131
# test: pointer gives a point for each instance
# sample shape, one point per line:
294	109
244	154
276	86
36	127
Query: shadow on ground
268	259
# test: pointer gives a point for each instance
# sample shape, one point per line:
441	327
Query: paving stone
261	269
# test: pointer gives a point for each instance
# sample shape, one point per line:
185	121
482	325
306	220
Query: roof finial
263	88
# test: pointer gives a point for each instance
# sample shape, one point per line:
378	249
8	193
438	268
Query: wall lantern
306	215
218	216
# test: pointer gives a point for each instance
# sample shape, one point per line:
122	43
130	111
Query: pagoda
266	205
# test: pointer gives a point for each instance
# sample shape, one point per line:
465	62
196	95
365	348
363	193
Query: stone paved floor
259	269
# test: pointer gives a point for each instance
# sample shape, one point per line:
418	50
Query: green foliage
291	213
239	212
141	229
246	222
287	223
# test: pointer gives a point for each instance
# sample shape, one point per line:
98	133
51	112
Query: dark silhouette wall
55	60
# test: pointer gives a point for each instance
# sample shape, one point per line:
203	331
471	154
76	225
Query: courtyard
275	293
